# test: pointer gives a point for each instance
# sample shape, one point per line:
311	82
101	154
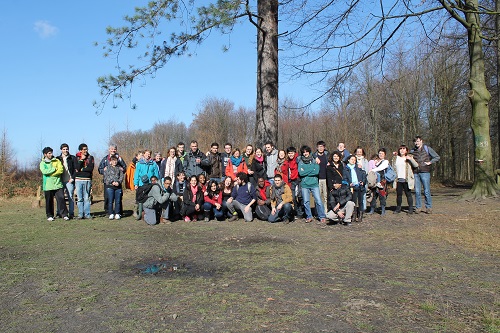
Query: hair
139	153
320	143
362	150
382	149
82	145
242	176
47	150
64	145
209	188
228	144
113	158
281	150
258	148
236	150
291	150
157	153
339	154
147	150
417	138
278	176
167	178
169	149
305	148
153	178
181	144
350	156
180	173
402	146
249	145
222	184
214	144
113	145
269	143
193	176
373	157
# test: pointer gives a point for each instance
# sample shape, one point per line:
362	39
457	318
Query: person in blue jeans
83	180
425	156
113	178
309	182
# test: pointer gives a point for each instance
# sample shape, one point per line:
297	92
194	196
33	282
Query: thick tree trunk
484	183
266	126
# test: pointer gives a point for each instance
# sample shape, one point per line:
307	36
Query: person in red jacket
213	201
291	170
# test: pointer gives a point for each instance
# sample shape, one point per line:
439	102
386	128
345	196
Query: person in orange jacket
236	164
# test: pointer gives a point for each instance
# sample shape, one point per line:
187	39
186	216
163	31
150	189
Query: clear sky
50	66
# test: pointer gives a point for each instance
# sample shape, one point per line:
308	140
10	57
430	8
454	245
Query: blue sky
50	66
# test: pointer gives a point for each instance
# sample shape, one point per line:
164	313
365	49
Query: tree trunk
497	28
266	127
484	182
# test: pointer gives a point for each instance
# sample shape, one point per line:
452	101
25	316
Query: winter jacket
308	173
51	174
187	199
230	169
271	162
341	196
113	174
84	167
71	163
216	198
192	168
286	197
291	169
214	169
129	176
361	174
105	163
409	166
156	197
145	167
334	175
259	170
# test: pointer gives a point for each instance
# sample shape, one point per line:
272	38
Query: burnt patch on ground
170	268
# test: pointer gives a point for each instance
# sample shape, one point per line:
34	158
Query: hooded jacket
51	171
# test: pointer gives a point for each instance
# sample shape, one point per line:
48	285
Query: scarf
354	176
194	190
277	193
306	160
262	193
259	159
236	160
170	167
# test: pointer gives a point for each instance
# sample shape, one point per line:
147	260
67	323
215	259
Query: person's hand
427	163
279	206
273	211
229	200
136	187
217	206
198	160
197	207
340	214
247	208
318	161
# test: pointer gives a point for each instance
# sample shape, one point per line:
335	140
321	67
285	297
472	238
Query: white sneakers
117	216
111	217
50	219
66	218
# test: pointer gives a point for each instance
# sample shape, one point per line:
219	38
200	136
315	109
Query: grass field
420	273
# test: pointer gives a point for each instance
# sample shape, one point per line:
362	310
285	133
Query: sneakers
309	220
417	211
112	217
428	210
187	219
207	219
233	218
50	219
117	216
66	218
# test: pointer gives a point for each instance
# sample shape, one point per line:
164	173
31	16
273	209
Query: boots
134	213
372	210
398	210
360	215
410	210
383	210
355	214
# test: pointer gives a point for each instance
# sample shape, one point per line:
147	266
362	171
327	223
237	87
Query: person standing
196	160
52	186
403	165
308	172
171	165
113	178
425	156
225	156
343	151
380	190
105	162
321	156
68	178
214	161
293	179
83	180
271	160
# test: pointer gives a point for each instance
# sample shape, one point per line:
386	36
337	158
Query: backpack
142	193
390	174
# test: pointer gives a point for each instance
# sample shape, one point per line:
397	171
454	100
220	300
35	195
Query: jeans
320	210
114	195
218	213
323	191
83	193
69	188
423	179
284	213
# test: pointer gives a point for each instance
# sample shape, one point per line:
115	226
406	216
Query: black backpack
142	193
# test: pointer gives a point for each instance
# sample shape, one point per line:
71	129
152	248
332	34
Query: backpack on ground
390	174
142	193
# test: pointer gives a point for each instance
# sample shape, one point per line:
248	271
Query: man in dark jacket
214	163
68	177
196	160
425	156
343	206
83	180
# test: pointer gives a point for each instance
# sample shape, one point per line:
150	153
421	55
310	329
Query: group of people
269	184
